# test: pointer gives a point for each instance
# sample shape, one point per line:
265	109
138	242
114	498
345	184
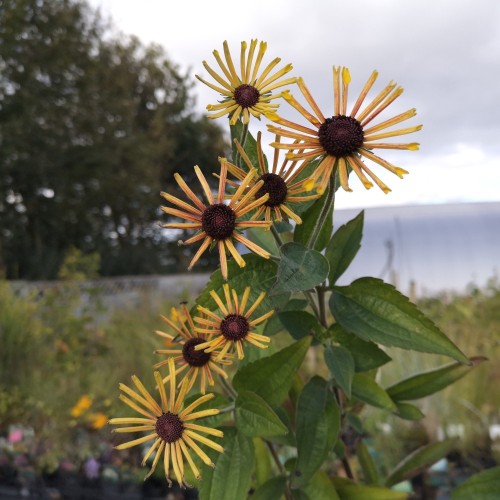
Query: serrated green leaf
376	311
300	324
272	377
349	490
230	479
258	273
424	384
367	390
484	485
317	428
272	489
255	418
303	231
366	354
407	411
419	460
344	246
299	269
320	487
341	365
274	325
370	473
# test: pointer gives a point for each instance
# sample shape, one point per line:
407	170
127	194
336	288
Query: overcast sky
445	53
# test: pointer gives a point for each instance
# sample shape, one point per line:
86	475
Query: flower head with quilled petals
343	139
246	93
280	183
217	222
199	364
233	326
168	425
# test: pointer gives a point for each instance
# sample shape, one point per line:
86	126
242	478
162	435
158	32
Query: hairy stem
330	199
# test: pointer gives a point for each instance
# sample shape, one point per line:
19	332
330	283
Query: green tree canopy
92	127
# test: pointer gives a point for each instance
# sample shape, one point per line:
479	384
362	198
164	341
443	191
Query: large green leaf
301	323
376	311
317	428
272	377
303	231
255	418
300	268
344	246
341	365
419	460
320	487
349	490
272	489
424	384
366	354
484	485
263	466
258	273
407	411
230	479
367	390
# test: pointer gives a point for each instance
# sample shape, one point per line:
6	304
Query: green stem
312	302
229	390
330	199
320	290
243	139
278	463
277	236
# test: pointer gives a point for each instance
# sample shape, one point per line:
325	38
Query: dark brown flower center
218	221
169	427
341	135
275	186
234	327
192	357
246	95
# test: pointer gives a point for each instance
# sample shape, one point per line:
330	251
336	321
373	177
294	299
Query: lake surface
436	247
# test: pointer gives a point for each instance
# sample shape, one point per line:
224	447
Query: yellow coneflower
278	183
234	326
343	139
218	222
247	93
168	425
199	364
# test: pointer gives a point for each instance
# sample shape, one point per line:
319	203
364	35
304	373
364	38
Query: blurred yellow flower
82	405
97	420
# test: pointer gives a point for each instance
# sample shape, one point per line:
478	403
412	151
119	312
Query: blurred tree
92	127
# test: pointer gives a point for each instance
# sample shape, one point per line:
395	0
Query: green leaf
341	365
407	411
258	273
272	377
484	485
301	323
419	460
370	473
274	325
255	418
303	231
344	246
424	384
376	311
366	354
367	390
317	428
349	490
218	401
320	487
272	489
230	479
263	238
299	269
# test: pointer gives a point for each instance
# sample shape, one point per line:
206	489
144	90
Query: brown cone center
340	136
169	427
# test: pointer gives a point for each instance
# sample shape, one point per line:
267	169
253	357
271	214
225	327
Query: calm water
438	247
